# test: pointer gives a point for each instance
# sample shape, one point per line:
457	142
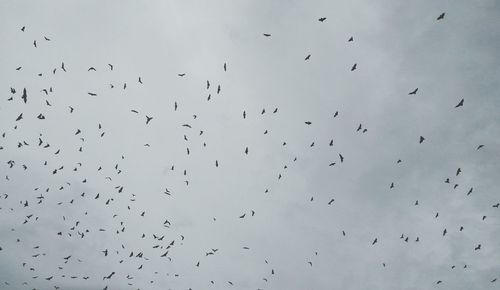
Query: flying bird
441	16
354	66
322	19
267	34
414	92
460	104
24	96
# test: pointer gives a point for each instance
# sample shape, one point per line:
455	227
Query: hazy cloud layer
295	238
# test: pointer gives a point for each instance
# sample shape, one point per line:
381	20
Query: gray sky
397	45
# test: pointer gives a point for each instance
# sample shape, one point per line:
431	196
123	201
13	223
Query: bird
414	92
421	139
140	80
92	94
92	68
308	57
110	66
479	147
354	66
267	34
181	75
460	104
374	241
350	39
341	158
322	19
331	201
24	96
23	28
225	68
441	16
308	123
148	119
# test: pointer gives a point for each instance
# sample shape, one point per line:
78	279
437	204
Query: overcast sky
310	221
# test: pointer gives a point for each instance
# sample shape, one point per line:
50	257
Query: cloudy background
398	46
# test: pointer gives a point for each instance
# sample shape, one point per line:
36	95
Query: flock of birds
30	206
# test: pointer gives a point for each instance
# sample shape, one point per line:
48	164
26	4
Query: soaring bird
308	57
91	68
267	34
322	19
421	139
374	241
92	94
460	104
148	119
354	66
479	147
181	75
350	39
441	16
341	158
414	92
308	123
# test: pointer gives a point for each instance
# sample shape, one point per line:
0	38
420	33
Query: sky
92	189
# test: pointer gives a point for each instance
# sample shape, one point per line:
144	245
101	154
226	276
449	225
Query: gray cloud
397	47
